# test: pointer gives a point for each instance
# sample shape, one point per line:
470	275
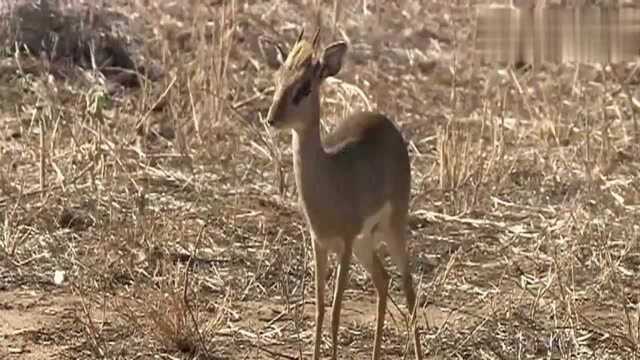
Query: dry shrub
458	157
176	319
171	323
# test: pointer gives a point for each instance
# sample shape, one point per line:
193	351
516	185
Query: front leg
320	255
343	272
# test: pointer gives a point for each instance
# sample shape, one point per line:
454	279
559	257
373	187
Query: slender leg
369	259
381	282
343	272
407	284
401	259
320	254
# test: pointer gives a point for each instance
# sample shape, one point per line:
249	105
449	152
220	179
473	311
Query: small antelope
354	189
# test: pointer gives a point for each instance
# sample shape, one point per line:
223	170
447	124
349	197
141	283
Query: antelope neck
312	168
308	154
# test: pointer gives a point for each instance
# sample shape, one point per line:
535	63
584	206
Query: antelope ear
271	52
332	57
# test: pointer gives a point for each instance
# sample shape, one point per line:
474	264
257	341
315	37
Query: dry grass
178	229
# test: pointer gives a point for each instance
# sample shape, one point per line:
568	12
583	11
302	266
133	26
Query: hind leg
367	256
396	245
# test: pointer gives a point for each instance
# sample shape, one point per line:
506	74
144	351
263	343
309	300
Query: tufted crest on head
300	55
299	73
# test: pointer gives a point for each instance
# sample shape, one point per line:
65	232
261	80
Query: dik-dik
353	188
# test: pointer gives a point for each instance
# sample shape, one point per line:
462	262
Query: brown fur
353	188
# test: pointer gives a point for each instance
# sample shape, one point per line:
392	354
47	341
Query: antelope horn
300	35
316	38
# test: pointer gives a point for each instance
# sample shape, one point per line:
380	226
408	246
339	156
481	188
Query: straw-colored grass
172	210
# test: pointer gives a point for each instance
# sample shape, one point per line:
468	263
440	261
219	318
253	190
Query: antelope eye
302	92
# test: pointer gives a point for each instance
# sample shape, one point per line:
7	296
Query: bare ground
171	210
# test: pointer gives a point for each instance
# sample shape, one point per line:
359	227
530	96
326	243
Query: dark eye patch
302	92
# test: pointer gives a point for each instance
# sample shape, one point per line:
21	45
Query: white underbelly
366	238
